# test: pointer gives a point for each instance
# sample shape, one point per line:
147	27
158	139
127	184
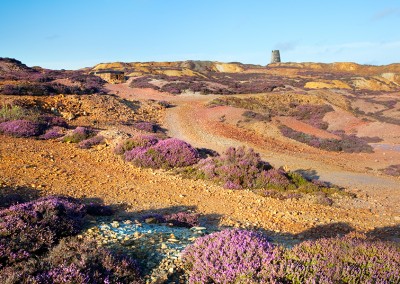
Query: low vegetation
239	256
79	134
11	112
138	140
23	80
166	154
35	248
241	168
312	114
236	168
146	126
392	170
179	219
21	128
38	245
347	143
212	83
229	256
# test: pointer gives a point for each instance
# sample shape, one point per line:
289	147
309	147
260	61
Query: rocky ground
44	167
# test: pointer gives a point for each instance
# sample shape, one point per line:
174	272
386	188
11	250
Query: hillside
326	159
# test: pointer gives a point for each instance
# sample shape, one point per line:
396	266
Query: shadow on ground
14	195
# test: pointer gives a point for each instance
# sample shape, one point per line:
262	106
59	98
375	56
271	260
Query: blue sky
72	34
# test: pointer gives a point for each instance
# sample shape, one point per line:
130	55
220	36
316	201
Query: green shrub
11	112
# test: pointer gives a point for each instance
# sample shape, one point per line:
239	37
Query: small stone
199	228
164	246
115	224
151	220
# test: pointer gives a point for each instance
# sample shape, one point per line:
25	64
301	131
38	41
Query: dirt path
191	121
184	122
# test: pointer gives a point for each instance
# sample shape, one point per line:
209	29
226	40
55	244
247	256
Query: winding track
181	122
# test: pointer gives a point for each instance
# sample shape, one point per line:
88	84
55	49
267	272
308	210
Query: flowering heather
339	260
74	261
393	170
348	143
146	126
183	219
138	140
168	153
85	259
79	134
33	227
53	121
235	168
273	178
313	114
229	256
180	219
89	143
53	133
21	128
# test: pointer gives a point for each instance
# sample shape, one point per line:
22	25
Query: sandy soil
59	168
53	167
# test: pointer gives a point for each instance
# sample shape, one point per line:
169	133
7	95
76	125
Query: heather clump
273	178
347	143
53	121
256	116
32	228
229	256
168	153
146	126
243	168
183	219
392	170
338	260
90	262
138	140
53	133
79	134
240	256
235	168
90	142
179	219
313	114
21	128
75	261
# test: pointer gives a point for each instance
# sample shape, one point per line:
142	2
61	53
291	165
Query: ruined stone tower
275	56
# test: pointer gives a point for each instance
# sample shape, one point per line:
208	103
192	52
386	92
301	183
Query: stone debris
157	247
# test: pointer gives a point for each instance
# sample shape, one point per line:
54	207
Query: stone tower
275	56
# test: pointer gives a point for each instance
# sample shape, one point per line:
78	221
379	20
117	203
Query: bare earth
58	168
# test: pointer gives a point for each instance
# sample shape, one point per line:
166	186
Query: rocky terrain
337	123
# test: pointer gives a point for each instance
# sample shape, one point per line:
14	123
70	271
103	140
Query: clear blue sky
71	34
